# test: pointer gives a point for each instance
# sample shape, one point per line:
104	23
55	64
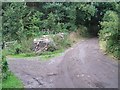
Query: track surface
81	66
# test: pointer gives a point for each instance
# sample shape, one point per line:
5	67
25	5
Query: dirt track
81	66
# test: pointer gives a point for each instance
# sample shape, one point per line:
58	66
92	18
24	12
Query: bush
83	31
27	46
62	42
13	48
4	67
110	32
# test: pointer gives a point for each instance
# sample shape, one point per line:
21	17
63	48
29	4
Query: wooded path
82	66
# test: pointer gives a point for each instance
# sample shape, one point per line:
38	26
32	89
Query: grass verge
12	82
103	45
44	55
49	56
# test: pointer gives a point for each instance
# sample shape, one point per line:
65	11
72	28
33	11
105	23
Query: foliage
13	48
54	18
27	46
62	43
84	13
4	67
13	13
110	33
83	31
28	22
101	8
51	18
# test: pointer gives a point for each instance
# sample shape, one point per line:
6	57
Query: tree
20	21
12	21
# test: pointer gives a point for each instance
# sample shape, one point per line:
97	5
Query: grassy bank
12	82
103	47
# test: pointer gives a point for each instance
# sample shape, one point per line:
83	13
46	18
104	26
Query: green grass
44	55
48	55
54	52
22	55
12	82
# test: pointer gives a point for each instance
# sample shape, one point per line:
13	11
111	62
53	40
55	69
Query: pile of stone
45	43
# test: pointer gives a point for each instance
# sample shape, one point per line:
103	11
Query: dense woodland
24	21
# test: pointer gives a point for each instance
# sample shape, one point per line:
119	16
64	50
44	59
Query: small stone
51	80
78	75
51	74
88	76
82	75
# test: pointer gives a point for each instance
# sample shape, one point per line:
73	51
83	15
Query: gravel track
81	66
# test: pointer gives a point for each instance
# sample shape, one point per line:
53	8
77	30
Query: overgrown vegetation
110	33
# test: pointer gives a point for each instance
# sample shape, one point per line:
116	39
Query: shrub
13	48
62	42
4	67
83	31
110	32
27	46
